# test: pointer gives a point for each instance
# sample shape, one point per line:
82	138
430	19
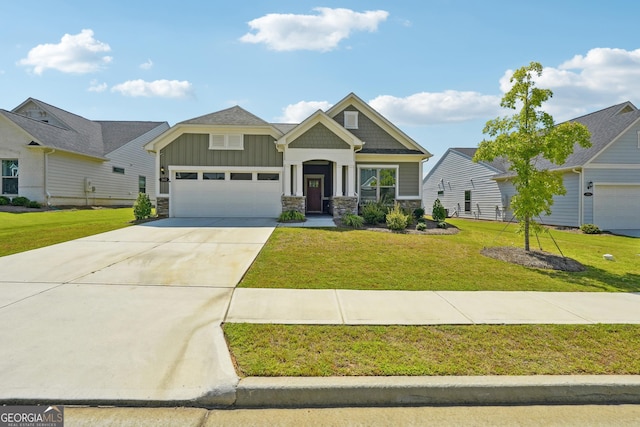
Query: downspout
580	196
46	175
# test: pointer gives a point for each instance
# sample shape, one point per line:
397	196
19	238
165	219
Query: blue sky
435	68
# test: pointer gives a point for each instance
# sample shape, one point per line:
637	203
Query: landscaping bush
352	220
418	214
20	201
421	226
373	212
291	216
396	219
142	207
34	205
4	200
442	224
590	229
438	213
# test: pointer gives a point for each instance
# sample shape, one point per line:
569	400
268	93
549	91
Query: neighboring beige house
232	163
59	158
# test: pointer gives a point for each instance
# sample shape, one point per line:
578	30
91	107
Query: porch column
287	179
299	184
351	180
338	186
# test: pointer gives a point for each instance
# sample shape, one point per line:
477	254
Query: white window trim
229	143
397	187
351	120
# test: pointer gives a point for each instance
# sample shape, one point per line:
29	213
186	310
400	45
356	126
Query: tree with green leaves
525	138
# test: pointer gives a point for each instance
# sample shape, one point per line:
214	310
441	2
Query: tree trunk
526	234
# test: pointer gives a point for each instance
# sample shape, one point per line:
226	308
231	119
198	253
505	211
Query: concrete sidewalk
352	307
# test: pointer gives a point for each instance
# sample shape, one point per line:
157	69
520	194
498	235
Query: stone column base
343	205
294	203
162	207
410	205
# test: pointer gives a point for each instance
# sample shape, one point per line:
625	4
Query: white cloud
79	54
428	108
157	88
321	32
296	113
584	83
147	65
97	87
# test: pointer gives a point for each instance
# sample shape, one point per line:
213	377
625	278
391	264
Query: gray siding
192	149
319	136
373	135
605	176
408	176
456	174
624	151
565	209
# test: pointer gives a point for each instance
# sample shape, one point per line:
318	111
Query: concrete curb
297	392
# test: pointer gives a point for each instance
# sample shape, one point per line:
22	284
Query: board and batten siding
408	176
192	149
373	135
319	136
454	175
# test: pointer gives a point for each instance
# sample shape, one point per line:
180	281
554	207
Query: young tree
526	137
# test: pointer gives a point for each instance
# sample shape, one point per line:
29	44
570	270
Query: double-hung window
377	184
10	176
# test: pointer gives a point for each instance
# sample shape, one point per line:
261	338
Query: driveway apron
129	315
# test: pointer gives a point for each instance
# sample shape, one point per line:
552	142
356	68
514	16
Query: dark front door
314	195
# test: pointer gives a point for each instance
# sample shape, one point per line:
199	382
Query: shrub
291	215
396	219
421	226
20	201
352	220
4	200
422	219
442	224
34	205
373	212
418	214
438	213
142	207
590	229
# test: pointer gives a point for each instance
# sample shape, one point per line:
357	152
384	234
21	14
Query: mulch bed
432	228
533	259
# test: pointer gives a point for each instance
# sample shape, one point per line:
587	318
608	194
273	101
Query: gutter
580	196
46	175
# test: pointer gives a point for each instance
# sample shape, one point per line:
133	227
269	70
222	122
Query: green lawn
24	231
357	259
314	350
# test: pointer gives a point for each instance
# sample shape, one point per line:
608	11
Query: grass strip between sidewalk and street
21	232
321	350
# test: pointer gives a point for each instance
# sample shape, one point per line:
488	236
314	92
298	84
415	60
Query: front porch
320	186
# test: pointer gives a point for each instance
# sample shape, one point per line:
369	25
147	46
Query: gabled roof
320	117
234	116
500	166
352	99
75	134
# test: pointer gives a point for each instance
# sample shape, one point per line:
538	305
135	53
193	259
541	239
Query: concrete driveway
130	315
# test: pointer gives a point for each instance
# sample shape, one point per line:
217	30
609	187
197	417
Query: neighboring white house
59	158
602	182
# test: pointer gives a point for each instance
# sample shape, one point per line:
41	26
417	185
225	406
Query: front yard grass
21	232
304	350
356	259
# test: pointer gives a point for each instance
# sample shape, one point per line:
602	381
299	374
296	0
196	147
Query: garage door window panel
241	176
213	176
187	175
268	176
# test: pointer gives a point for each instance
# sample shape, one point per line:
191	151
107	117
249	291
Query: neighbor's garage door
616	207
226	194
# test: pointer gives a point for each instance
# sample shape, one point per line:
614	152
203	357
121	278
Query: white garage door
616	207
226	194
